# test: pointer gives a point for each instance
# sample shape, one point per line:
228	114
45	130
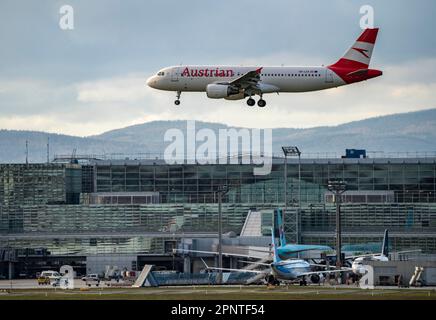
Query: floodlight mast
292	151
222	190
338	187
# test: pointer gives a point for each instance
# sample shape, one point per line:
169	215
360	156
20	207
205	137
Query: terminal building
134	212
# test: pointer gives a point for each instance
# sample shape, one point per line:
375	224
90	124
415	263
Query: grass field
218	293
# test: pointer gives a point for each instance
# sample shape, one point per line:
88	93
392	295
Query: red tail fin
359	55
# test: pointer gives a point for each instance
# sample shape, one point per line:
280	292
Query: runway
28	289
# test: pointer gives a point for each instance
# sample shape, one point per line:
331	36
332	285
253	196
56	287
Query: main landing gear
261	103
177	101
251	102
272	281
303	282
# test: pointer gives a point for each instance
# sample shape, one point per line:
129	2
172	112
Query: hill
414	131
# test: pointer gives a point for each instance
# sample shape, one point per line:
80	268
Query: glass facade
410	181
50	206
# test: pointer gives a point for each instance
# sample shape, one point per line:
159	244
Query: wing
256	263
296	248
321	272
240	270
266	271
362	255
247	80
379	254
321	265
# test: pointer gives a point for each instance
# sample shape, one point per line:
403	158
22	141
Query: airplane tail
359	55
385	245
281	227
276	257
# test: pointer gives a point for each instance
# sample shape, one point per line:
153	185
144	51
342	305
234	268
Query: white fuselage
358	266
277	79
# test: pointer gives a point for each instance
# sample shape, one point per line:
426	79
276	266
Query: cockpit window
160	74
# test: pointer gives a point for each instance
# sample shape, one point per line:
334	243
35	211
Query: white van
52	275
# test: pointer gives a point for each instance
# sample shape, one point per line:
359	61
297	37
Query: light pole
338	187
292	151
222	189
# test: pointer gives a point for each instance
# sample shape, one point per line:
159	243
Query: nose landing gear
177	101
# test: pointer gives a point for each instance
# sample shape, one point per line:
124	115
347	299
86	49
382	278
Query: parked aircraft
358	265
288	270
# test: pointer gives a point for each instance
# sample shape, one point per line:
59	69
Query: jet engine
314	278
219	91
238	96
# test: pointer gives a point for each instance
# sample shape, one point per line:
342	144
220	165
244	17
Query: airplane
358	265
285	250
239	82
288	270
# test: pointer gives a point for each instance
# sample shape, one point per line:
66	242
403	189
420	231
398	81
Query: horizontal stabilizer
360	72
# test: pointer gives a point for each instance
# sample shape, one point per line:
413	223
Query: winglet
259	70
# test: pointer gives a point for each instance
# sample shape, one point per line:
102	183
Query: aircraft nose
151	82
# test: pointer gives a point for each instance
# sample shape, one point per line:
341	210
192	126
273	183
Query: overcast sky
92	79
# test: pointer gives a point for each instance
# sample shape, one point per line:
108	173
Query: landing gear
251	102
261	103
272	281
303	282
177	102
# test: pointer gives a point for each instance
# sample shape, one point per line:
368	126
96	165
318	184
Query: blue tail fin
385	245
281	227
276	257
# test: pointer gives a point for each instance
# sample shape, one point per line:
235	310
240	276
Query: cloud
125	89
93	106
